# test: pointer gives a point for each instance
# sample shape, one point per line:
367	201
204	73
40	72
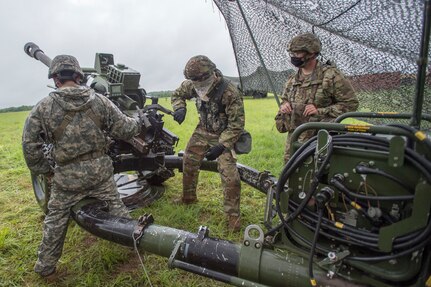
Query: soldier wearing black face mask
317	92
221	122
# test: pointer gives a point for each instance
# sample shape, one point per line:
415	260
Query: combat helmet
305	42
64	63
199	68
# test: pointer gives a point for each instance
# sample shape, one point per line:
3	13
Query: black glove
214	152
180	115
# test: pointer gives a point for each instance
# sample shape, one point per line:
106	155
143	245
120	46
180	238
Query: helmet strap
57	81
62	77
77	78
307	58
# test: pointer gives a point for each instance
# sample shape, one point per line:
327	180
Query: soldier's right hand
285	108
180	115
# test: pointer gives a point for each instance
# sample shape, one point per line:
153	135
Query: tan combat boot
234	223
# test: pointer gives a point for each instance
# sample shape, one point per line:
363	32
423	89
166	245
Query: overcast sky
154	37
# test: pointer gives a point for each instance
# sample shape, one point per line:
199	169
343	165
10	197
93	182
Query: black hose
315	182
353	232
287	170
418	161
366	238
341	187
293	164
419	135
402	245
313	248
362	169
308	214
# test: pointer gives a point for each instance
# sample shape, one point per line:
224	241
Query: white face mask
202	87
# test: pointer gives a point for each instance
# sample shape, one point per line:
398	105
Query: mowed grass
90	261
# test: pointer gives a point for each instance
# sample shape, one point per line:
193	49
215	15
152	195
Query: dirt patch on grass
130	265
89	240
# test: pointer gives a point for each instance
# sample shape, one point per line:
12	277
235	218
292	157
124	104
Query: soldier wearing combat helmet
221	122
316	92
73	121
63	66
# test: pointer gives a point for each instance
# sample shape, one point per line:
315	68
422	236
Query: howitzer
143	153
322	226
350	208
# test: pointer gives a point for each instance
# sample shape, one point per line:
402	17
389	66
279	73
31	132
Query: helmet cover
199	68
305	42
64	63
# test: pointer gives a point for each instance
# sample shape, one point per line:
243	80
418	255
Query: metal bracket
174	254
323	141
203	232
396	151
418	219
250	254
143	222
334	257
269	211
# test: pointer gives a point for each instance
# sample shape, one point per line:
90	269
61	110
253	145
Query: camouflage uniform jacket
82	136
225	119
333	95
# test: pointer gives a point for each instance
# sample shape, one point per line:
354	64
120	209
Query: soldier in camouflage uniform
75	120
317	92
221	112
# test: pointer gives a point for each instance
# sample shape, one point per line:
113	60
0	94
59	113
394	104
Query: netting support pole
258	54
422	63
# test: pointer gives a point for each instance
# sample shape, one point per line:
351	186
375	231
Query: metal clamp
250	254
143	222
334	257
174	253
203	232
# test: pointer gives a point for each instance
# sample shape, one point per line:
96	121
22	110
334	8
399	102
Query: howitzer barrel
34	51
247	264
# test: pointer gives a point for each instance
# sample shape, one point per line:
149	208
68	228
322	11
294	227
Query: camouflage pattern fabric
199	68
305	42
198	145
327	88
56	221
228	124
64	63
73	179
226	127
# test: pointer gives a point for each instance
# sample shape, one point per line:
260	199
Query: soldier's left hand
309	110
214	152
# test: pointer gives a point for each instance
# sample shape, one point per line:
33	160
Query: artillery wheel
42	191
133	191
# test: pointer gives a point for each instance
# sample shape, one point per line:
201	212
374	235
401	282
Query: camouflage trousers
56	221
197	146
306	135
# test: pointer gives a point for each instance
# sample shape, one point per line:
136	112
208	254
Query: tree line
16	109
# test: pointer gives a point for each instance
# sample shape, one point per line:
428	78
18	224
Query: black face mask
297	62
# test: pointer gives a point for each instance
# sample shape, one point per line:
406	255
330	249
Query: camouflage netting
376	43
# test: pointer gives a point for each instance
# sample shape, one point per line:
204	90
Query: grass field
90	261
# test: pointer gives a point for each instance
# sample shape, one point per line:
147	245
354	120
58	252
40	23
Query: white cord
142	262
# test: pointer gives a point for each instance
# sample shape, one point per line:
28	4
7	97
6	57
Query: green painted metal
366	115
251	252
282	259
387	130
276	267
396	152
418	219
422	66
